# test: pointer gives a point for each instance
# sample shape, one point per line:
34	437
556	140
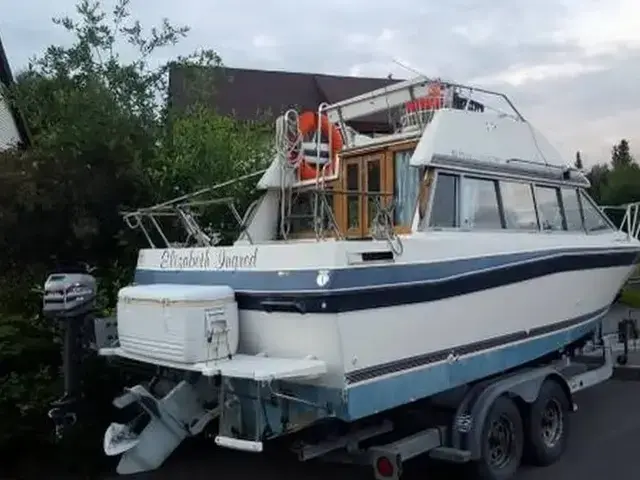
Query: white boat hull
390	333
498	313
379	350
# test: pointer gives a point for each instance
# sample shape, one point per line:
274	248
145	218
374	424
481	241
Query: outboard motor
70	300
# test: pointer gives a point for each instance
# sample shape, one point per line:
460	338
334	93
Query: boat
371	272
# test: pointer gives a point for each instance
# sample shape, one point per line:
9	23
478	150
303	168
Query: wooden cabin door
363	181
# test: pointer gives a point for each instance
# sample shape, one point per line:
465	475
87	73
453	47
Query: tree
615	184
578	163
100	145
620	155
623	186
598	176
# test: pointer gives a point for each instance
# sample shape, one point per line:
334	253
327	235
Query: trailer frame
460	441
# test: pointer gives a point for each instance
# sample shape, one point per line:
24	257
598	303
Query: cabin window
480	204
594	219
405	189
444	207
518	206
549	209
572	210
301	220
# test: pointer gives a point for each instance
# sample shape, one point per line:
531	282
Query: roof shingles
251	94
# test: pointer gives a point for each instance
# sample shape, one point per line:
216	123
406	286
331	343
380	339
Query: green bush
29	360
104	141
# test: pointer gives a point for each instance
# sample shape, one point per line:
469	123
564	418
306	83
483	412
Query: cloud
569	65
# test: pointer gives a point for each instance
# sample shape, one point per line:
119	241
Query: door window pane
549	208
479	203
353	201
374	183
444	208
519	208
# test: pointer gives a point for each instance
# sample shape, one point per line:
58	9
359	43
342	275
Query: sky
572	67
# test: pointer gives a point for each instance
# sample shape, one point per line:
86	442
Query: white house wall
8	130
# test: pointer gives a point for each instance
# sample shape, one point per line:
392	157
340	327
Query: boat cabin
501	174
367	179
423	198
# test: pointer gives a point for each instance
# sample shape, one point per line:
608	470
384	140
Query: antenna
410	69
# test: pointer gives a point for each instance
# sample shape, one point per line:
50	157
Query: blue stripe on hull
368	398
400	284
369	276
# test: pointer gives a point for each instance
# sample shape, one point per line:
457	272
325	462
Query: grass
631	297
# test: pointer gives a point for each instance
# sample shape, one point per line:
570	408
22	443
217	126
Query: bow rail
630	223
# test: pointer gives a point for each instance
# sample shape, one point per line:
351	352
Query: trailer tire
502	441
547	425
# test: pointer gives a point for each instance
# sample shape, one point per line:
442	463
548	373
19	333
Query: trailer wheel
547	425
502	441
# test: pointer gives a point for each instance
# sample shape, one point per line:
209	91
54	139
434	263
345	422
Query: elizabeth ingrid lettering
204	259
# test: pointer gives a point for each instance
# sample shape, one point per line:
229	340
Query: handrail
630	221
182	208
399	94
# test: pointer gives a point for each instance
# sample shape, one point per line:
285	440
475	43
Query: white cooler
180	323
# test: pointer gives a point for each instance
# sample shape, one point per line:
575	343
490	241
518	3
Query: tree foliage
101	144
618	182
620	155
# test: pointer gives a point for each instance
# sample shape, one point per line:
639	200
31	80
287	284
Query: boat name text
207	259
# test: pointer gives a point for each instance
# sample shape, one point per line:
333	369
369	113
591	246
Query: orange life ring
308	124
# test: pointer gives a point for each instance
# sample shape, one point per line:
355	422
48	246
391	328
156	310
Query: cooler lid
170	292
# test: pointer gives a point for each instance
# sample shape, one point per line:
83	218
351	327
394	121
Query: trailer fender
524	386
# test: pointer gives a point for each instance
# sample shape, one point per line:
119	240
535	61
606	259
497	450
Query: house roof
6	80
249	94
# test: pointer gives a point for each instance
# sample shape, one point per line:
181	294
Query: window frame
498	194
532	192
460	176
426	221
560	204
576	192
612	228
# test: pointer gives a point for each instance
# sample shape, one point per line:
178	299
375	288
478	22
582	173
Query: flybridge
403	94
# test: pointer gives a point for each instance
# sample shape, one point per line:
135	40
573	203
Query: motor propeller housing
70	300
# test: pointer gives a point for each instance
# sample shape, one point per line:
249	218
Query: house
251	94
13	129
